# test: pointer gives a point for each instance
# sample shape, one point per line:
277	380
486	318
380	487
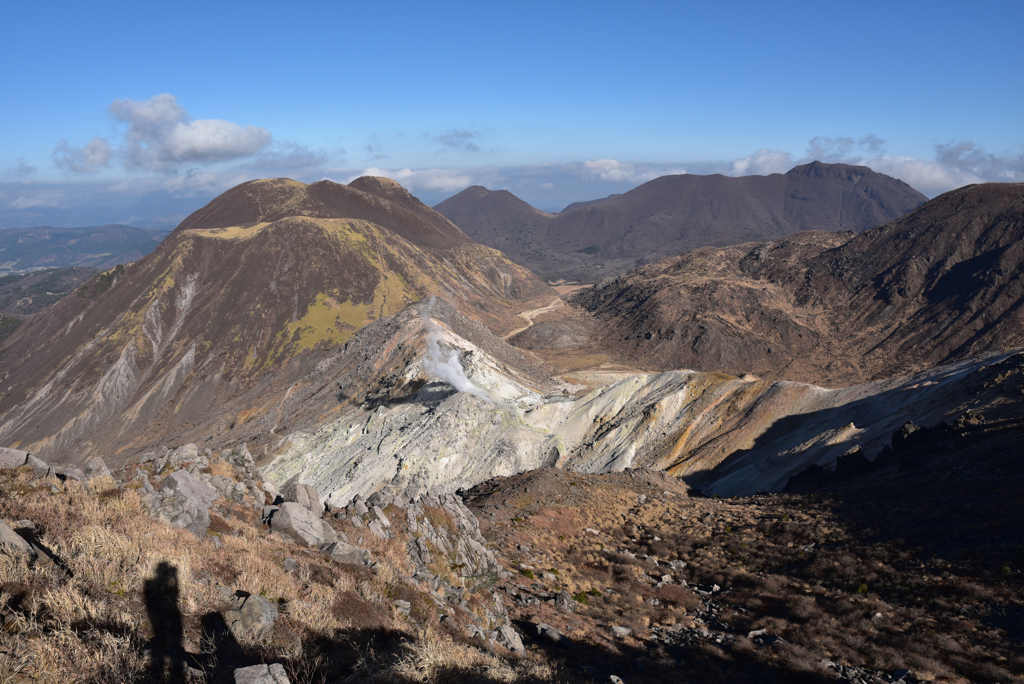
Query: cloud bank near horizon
161	155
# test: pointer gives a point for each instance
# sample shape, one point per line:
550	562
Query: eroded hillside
938	285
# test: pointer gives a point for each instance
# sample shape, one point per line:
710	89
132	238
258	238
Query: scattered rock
302	494
40	468
66	474
549	633
565	602
183	501
621	632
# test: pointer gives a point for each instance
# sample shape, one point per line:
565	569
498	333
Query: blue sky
106	104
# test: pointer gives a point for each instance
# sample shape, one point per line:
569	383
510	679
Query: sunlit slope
150	353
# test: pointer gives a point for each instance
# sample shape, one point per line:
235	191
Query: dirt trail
528	316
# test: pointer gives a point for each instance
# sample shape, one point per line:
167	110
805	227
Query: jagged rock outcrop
190	482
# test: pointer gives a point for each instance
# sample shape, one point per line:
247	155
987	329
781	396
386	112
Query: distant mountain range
941	284
673	214
29	249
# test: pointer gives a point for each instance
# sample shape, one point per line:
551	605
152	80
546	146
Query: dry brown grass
85	618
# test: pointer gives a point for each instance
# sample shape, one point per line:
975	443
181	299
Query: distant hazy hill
672	214
27	249
25	294
938	285
235	310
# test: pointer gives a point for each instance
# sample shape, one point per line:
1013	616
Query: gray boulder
183	501
510	638
549	633
251	618
41	469
303	494
186	453
95	467
566	602
12	458
261	674
343	552
13	544
298	522
70	474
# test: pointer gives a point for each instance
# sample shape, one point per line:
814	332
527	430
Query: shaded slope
498	219
938	285
672	214
219	310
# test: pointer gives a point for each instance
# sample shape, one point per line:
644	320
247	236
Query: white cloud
433	180
762	163
160	135
625	172
40	199
90	158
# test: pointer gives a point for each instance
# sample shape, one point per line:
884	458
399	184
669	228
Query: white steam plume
443	364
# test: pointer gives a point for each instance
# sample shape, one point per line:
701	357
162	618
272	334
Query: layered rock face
732	435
